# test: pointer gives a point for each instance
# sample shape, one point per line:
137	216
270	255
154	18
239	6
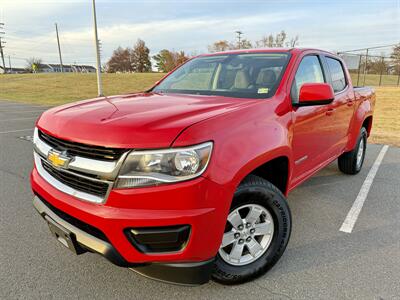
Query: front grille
77	182
78	149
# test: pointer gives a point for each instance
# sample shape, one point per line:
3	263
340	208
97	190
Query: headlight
146	168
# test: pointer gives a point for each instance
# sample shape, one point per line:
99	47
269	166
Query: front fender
243	140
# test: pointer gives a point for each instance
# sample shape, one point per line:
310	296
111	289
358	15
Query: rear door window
338	79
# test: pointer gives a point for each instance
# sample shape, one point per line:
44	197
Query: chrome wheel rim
247	236
360	153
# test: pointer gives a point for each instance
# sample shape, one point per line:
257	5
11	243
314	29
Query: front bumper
200	203
181	273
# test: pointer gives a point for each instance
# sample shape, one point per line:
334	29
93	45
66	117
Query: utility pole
382	66
359	70
98	62
366	65
9	62
1	49
2	55
239	33
59	50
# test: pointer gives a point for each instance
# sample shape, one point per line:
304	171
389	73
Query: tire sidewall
276	204
363	136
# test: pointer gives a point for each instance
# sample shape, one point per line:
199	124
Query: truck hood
146	120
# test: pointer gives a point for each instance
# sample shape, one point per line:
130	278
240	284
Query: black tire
255	190
347	162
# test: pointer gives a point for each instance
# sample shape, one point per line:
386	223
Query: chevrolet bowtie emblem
58	159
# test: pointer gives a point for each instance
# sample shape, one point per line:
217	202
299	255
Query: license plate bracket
64	236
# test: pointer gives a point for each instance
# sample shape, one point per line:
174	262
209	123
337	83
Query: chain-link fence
373	66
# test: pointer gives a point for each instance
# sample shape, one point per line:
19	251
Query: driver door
313	134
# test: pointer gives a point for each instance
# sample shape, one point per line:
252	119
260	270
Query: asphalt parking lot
321	261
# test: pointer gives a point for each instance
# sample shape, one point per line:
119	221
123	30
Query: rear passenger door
343	105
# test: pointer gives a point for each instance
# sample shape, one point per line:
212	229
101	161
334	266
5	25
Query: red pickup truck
188	180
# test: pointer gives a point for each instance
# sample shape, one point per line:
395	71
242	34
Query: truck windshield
247	75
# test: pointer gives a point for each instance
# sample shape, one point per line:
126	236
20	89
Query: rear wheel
352	162
256	233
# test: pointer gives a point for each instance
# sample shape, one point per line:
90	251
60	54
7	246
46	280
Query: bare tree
33	64
377	65
266	42
120	61
293	42
395	56
279	40
245	44
220	46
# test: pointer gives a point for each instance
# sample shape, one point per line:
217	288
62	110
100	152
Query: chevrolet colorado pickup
188	180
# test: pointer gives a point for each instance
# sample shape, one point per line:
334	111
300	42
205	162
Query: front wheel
256	233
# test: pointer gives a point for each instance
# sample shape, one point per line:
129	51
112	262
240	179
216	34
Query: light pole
98	62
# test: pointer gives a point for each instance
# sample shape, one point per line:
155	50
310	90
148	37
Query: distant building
55	68
52	68
13	70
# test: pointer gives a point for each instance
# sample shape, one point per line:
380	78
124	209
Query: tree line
137	59
381	64
279	40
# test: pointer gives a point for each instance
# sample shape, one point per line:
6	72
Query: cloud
189	34
193	26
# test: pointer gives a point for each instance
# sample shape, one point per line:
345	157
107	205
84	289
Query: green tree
164	61
140	58
167	60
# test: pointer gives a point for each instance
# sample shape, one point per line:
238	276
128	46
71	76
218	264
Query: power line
370	48
369	55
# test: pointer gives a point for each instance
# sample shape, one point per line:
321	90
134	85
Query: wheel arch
275	169
367	124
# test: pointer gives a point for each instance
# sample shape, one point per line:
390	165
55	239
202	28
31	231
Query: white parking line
355	210
11	131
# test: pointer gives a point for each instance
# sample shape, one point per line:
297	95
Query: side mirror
315	94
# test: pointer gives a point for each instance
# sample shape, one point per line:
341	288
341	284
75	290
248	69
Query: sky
191	26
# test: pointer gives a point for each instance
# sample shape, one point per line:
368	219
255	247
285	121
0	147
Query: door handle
330	112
